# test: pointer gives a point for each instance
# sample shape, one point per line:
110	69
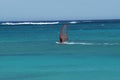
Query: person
63	34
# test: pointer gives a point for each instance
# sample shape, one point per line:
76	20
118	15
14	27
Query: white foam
29	23
73	22
87	43
72	43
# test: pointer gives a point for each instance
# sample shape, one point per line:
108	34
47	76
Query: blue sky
12	10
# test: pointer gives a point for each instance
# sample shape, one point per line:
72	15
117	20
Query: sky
25	10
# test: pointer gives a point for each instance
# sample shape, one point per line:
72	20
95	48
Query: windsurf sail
64	34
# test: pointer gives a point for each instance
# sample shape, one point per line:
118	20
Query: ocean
29	50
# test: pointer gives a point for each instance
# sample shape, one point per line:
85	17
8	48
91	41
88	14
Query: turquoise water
30	52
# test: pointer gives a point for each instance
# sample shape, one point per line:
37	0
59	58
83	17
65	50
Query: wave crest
73	22
29	23
87	43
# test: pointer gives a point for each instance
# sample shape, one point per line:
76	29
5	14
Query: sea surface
30	50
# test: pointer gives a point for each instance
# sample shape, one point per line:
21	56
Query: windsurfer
63	34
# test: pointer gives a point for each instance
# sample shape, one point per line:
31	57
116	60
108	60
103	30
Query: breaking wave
73	22
87	43
28	23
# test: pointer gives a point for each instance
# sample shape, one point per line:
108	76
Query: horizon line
61	20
